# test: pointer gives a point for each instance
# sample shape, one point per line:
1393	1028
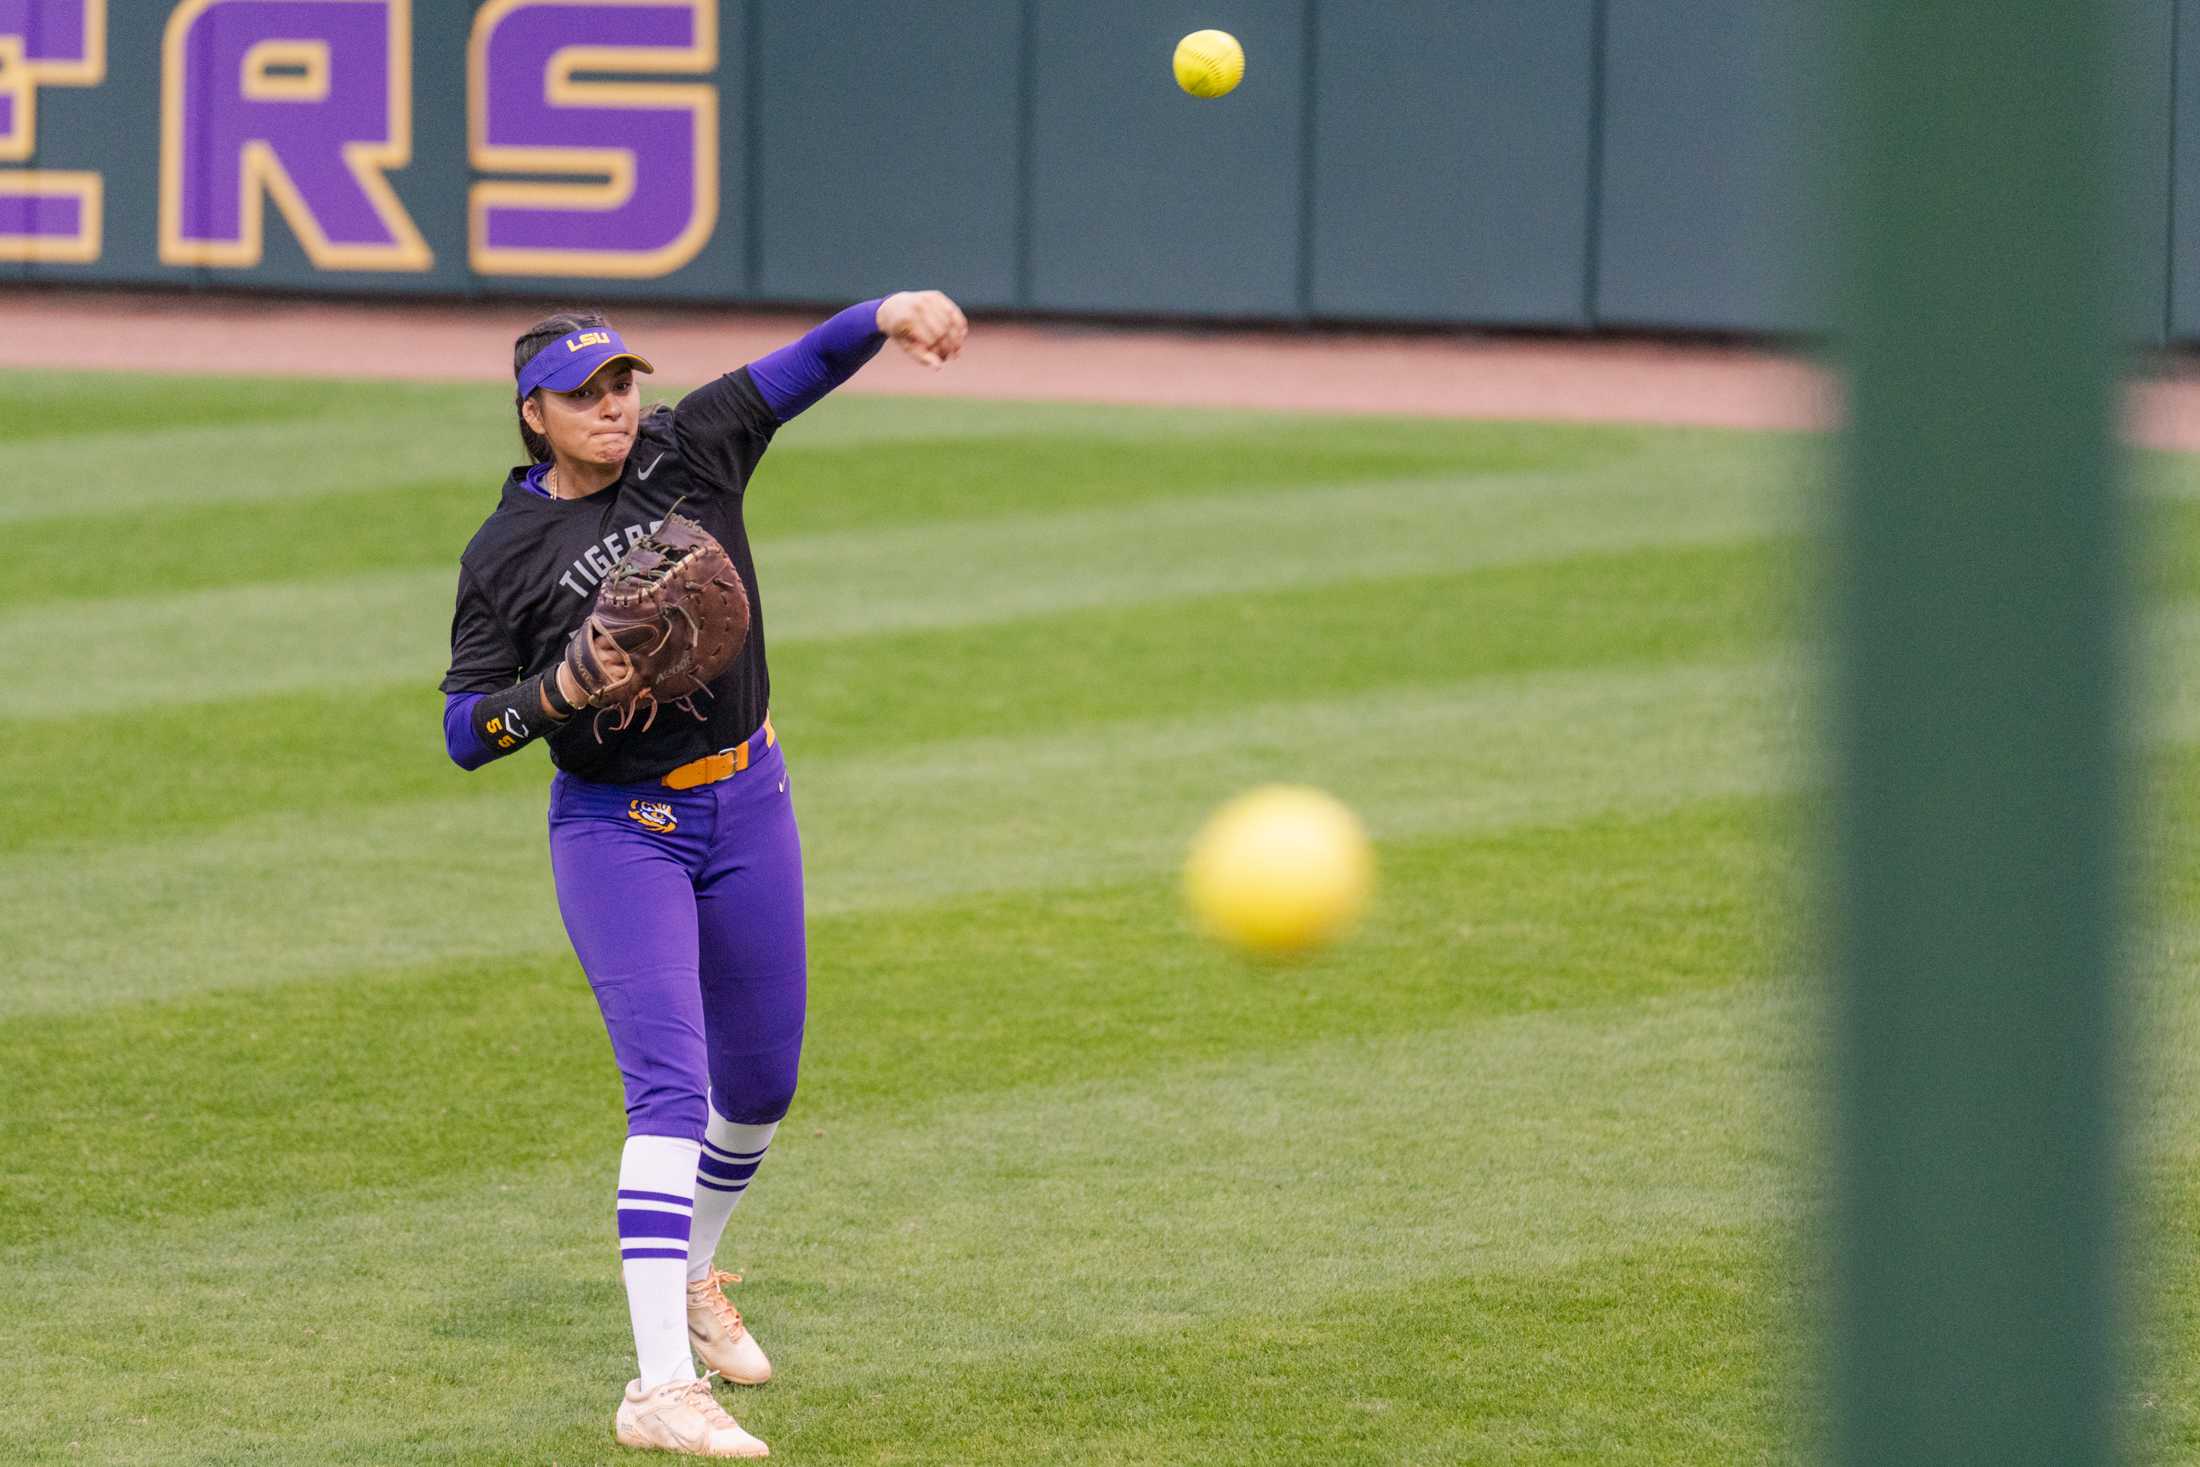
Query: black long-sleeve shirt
528	578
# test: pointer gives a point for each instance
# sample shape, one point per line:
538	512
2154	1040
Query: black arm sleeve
724	428
503	721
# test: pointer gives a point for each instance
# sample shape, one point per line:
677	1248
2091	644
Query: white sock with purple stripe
656	1205
731	1154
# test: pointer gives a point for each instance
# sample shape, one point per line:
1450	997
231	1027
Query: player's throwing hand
925	324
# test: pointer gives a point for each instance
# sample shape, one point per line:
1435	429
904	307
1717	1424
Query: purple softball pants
685	909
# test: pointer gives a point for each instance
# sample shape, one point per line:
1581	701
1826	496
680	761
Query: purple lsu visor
571	360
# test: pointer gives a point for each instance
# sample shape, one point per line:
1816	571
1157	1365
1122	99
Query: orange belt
722	765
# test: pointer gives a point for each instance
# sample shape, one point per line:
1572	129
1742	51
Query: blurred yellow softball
1280	869
1209	63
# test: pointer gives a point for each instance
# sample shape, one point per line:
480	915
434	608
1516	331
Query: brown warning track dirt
1629	381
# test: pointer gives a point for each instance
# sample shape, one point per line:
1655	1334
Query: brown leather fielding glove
674	605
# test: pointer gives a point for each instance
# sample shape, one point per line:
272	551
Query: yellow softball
1209	63
1280	869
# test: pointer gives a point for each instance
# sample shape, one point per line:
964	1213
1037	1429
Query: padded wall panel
886	148
2184	311
2140	108
1718	155
1451	160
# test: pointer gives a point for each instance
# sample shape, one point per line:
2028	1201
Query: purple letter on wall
647	150
305	101
44	214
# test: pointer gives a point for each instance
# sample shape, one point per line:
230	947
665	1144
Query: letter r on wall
47	215
307	102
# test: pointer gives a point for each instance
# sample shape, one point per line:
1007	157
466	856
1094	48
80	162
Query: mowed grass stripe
821	479
850	461
1509	1148
394	1080
420	522
98	475
393	627
429	880
42	405
1683	1352
171	768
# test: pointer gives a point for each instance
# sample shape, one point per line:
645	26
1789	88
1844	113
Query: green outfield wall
1632	164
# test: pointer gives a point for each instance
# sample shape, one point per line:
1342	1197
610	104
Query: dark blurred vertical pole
1978	740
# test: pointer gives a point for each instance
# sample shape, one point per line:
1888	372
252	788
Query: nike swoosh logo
645	473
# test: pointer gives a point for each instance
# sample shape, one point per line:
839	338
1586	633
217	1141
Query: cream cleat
682	1416
721	1340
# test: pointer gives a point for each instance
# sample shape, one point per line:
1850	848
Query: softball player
673	846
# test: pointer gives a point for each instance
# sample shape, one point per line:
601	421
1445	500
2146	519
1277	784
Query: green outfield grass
310	1127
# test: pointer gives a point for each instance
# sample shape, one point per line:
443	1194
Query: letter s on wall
653	201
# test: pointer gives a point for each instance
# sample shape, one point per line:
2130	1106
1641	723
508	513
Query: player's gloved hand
925	324
670	616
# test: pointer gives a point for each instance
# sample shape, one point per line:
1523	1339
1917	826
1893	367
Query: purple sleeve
799	373
458	731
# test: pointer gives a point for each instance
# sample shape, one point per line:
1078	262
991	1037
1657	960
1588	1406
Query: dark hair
533	340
